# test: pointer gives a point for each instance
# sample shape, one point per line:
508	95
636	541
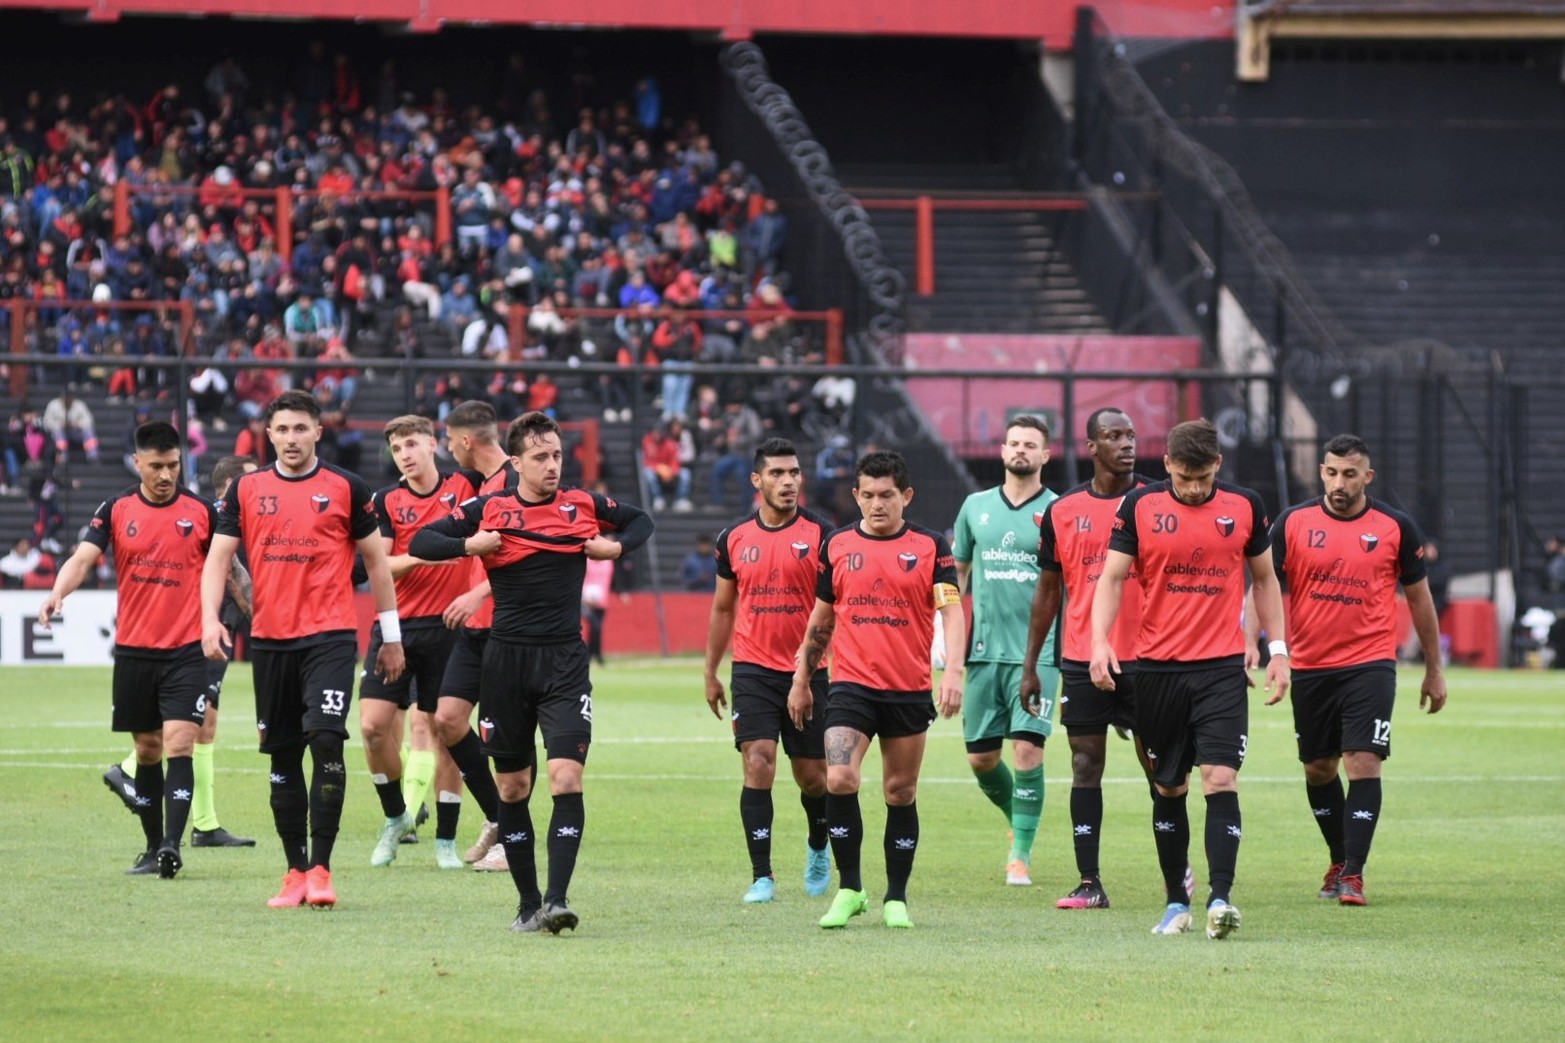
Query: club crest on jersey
1037	518
908	561
1225	526
448	499
320	503
569	510
801	550
184	528
1368	541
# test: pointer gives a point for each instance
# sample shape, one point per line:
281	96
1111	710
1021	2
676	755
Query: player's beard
1022	468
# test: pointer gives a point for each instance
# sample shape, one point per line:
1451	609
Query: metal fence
1468	449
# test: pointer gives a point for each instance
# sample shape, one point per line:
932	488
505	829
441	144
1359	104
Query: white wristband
390	628
1277	648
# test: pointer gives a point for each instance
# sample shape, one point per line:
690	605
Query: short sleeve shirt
1074	541
774	572
159	550
299	534
999	540
883	589
1192	562
424	593
1342	575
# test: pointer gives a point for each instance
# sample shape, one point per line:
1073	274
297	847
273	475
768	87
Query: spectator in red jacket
678	343
661	470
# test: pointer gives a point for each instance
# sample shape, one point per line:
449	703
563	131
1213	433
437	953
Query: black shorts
530	688
303	690
759	700
1194	716
1339	711
868	711
464	665
427	649
149	690
1086	709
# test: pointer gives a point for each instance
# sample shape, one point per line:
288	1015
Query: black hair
1347	445
296	402
883	463
770	448
477	418
156	436
527	427
1095	420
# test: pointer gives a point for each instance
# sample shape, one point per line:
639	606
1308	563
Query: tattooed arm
239	586
817	638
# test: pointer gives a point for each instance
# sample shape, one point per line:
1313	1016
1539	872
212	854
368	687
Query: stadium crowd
626	209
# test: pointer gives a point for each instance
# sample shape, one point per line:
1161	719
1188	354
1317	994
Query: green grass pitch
1464	937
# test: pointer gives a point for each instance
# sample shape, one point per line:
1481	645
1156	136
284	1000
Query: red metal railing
924	208
830	320
22	330
283	199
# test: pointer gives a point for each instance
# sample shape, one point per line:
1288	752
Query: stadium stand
1425	219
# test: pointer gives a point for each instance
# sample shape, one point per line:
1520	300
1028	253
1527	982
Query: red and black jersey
299	535
1341	576
424	593
537	573
883	590
774	574
1073	540
159	550
1192	562
503	479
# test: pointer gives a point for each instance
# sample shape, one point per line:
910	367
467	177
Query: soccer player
996	546
300	520
1190	538
159	534
889	577
1072	546
473	439
766	568
424	592
205	828
1341	557
535	540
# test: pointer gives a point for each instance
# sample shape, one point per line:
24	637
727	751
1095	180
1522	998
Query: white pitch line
1062	780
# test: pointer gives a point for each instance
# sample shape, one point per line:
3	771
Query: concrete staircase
995	271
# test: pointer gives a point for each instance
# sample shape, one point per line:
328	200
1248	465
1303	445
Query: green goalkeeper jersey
999	540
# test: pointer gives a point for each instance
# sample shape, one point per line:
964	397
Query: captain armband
947	594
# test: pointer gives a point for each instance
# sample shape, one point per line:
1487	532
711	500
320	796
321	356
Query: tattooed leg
845	748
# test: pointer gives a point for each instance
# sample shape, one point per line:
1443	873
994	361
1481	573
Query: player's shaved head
475	419
1348	445
1095	420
